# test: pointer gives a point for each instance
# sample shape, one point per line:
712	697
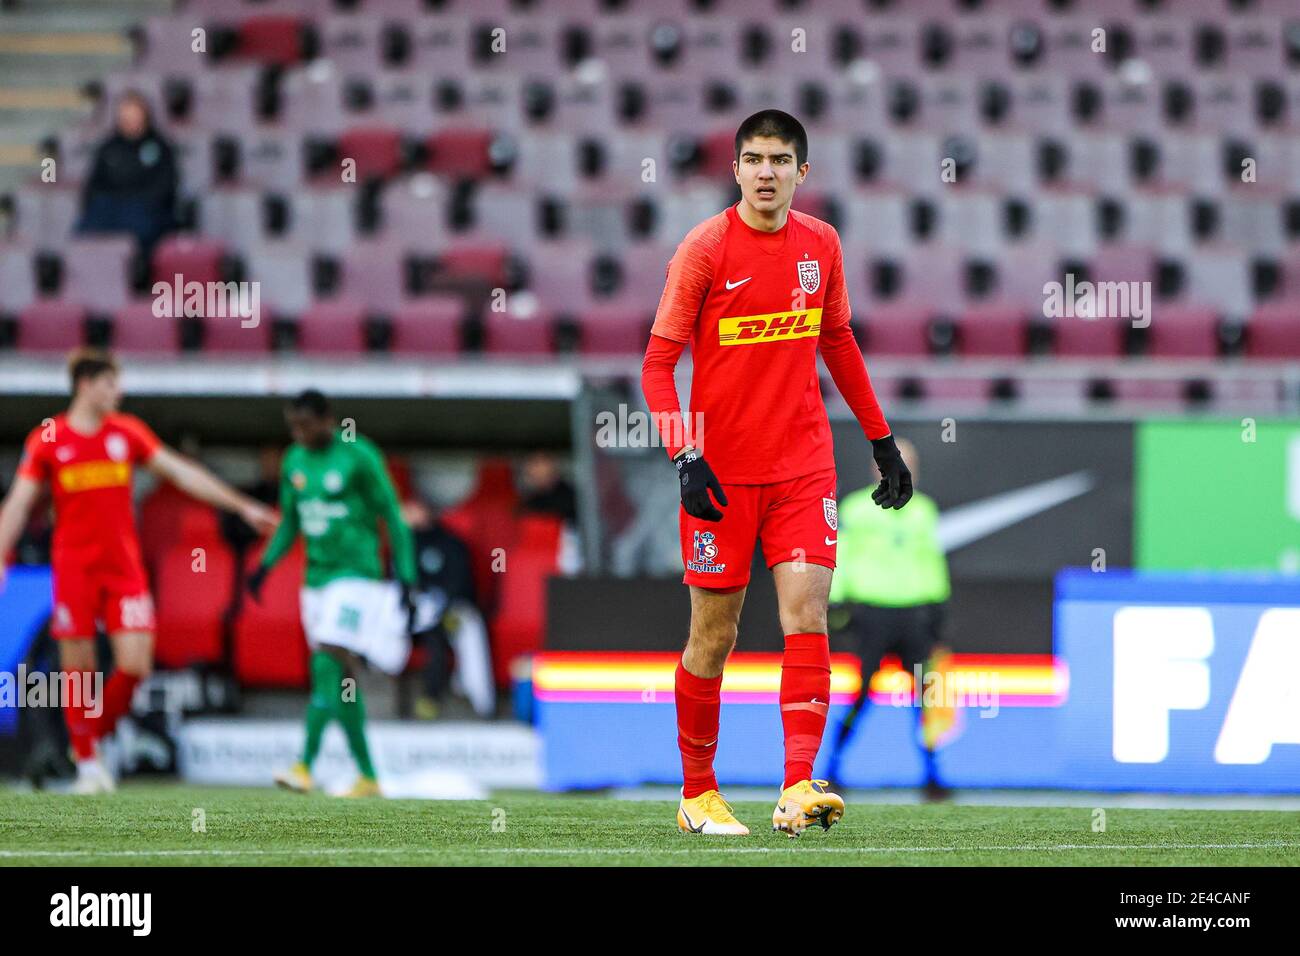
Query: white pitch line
619	851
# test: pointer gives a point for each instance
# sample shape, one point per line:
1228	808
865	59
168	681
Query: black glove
697	478
255	582
895	488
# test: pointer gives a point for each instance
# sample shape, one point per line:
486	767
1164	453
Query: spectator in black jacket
133	179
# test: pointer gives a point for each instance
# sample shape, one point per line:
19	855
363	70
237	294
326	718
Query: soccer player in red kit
757	291
87	456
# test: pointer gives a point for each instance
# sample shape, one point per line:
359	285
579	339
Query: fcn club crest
831	512
810	276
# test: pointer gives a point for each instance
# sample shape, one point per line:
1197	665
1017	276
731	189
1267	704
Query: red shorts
796	520
84	598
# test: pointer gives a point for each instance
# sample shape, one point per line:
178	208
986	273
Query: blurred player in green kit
334	491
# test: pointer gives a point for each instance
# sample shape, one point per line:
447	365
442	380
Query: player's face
313	431
767	172
102	392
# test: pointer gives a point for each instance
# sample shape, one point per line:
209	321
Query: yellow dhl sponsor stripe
772	327
95	474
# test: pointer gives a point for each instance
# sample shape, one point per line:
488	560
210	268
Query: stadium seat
45	214
323	217
561	274
333	328
519	624
460	153
52	326
1089	338
17	276
614	331
193	258
313	101
270	649
193	582
375	273
510	334
234	216
377	150
230	334
999	331
137	331
430	325
1179	331
1273	331
224	99
468	259
898	330
270	159
283	270
404	100
353	42
274	40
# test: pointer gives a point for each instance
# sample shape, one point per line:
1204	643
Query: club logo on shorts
810	276
62	617
117	448
832	513
705	554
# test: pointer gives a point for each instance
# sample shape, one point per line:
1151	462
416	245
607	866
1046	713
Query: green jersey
888	557
335	498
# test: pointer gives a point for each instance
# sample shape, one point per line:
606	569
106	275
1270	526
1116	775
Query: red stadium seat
460	153
994	331
193	258
275	40
1184	332
51	325
519	625
377	150
486	522
514	335
487	262
333	328
1273	332
137	330
1089	338
898	330
270	647
193	578
428	326
615	331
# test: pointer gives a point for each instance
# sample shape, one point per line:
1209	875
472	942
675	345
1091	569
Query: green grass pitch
174	825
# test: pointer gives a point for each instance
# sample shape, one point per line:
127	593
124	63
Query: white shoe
93	777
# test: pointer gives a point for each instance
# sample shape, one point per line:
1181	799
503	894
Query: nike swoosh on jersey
831	540
732	285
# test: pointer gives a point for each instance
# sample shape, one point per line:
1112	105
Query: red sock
805	698
117	701
78	689
699	702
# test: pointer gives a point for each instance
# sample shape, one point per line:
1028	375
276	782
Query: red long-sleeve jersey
755	307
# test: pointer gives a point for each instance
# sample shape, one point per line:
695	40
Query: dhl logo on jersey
92	475
773	327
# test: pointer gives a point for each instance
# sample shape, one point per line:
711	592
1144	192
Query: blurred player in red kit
87	456
757	291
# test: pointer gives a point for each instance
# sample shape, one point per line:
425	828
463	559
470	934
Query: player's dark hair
89	363
312	401
779	125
